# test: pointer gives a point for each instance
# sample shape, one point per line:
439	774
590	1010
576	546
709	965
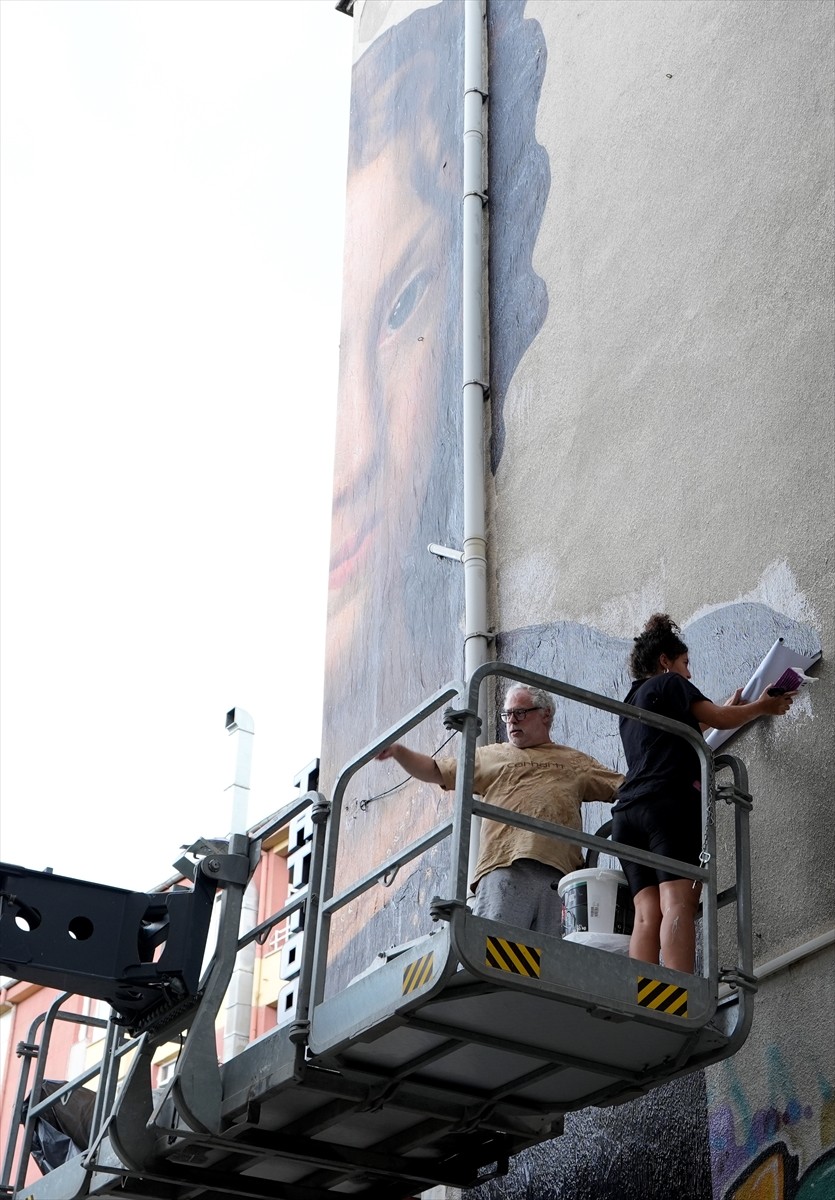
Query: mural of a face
395	612
396	284
396	475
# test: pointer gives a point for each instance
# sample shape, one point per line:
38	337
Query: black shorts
661	826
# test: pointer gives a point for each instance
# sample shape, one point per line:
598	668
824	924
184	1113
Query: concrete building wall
661	440
668	446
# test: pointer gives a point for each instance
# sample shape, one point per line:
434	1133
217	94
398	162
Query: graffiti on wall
773	1175
759	1153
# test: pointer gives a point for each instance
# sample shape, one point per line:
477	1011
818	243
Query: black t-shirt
659	764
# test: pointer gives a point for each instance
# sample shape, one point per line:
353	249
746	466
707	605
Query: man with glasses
518	872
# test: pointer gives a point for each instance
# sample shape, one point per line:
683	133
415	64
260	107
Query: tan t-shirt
548	782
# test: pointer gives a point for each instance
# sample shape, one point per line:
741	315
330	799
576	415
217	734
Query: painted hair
407	85
540	698
520	180
660	636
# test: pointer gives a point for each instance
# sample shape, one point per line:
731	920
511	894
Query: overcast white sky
172	203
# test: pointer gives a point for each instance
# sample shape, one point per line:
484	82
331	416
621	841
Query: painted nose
357	432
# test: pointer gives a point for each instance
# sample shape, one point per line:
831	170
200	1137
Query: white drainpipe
239	995
238	721
476	643
783	961
237	1016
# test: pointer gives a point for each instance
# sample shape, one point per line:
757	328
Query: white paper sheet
767	673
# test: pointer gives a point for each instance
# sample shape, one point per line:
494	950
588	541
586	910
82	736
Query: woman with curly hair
659	807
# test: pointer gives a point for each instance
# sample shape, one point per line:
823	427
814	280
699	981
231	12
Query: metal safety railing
306	898
457	829
35	1051
117	1044
322	900
329	902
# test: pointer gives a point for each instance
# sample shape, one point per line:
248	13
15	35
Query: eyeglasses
518	713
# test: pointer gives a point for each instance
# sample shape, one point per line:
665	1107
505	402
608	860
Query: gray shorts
522	895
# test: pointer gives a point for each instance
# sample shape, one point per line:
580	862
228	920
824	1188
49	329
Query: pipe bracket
483	197
738	979
456	718
485	387
442	910
445	552
732	794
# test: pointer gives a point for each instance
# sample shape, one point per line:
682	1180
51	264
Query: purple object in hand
789	681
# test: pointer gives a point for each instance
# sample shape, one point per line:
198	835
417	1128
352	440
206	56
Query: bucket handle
593	855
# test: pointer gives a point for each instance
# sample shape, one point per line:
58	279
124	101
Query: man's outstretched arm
419	766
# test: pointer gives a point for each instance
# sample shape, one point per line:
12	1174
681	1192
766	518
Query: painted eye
407	302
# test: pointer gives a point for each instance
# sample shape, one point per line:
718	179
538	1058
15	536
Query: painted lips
348	559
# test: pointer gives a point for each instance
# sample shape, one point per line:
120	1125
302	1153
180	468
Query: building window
165	1071
277	938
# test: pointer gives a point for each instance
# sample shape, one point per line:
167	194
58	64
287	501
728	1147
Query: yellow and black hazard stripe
515	957
662	997
417	973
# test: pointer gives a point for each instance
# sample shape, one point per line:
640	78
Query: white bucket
596	900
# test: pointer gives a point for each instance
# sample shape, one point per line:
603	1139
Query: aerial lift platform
436	1065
